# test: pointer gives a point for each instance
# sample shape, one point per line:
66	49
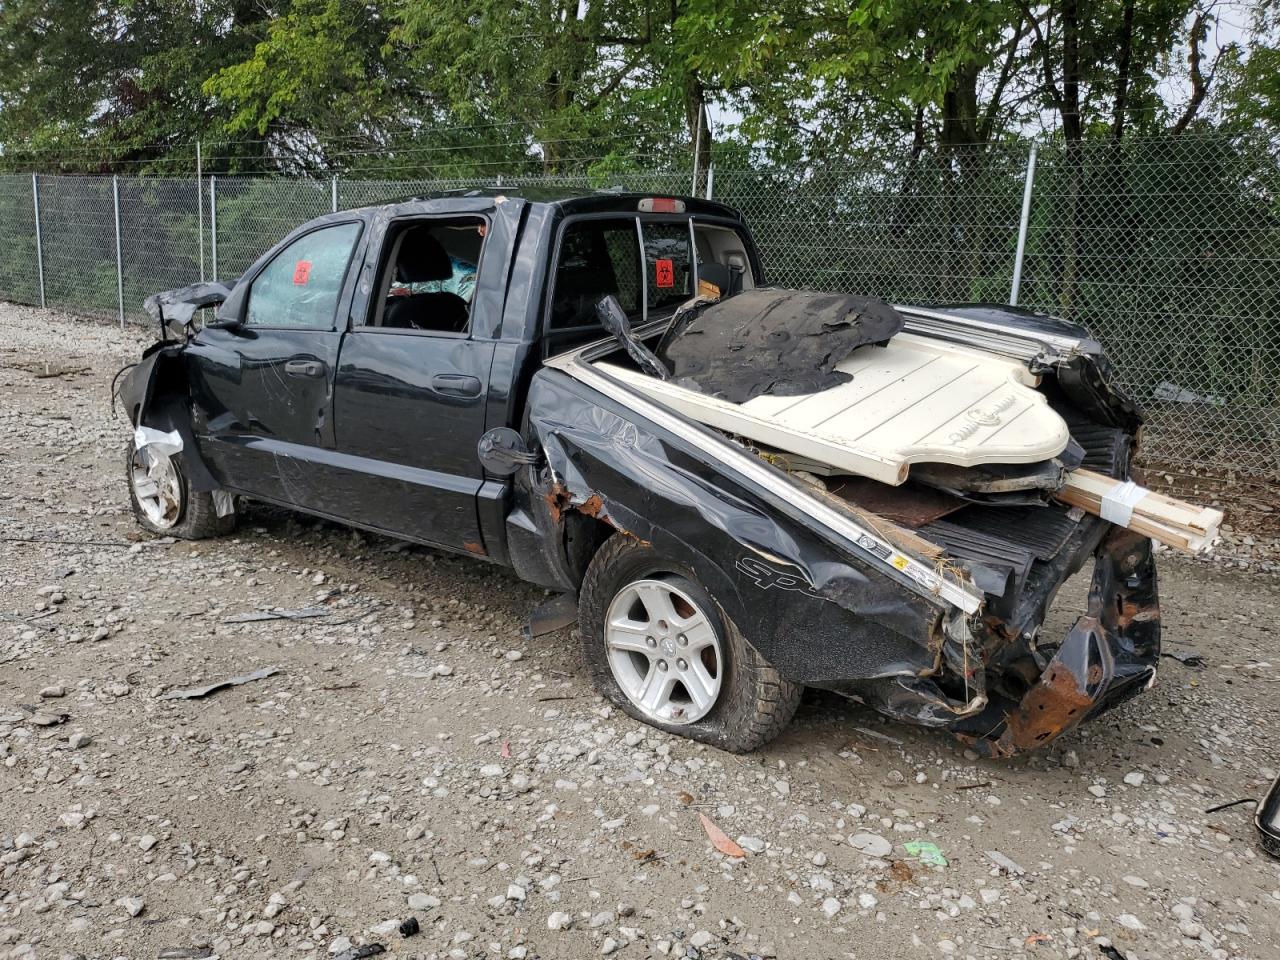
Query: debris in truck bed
914	401
771	341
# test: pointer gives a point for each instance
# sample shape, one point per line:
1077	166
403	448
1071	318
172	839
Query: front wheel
163	501
661	648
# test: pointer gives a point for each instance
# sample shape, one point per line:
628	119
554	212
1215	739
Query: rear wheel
163	501
661	648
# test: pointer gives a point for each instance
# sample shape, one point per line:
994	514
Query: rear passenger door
409	400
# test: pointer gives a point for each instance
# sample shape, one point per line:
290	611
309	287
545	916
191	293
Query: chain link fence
1168	250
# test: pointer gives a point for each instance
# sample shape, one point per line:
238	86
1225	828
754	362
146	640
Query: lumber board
1175	523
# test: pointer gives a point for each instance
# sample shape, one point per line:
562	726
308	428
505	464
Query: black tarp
780	342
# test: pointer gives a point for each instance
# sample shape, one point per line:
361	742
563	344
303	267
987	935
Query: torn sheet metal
772	341
790	498
195	693
1108	657
179	306
819	610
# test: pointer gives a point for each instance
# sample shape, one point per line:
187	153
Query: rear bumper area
1109	656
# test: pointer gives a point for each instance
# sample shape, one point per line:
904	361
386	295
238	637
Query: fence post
697	142
35	200
1022	227
115	201
213	223
334	192
200	207
711	178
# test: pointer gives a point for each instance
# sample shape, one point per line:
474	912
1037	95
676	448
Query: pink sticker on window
301	273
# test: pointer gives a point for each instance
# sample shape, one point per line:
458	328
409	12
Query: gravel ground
414	757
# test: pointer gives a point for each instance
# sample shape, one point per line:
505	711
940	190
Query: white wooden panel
912	401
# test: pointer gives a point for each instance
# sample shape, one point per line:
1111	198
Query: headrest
422	258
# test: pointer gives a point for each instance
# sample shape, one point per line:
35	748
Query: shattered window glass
300	287
666	264
597	258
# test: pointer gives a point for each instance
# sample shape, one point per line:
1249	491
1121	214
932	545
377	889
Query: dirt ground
413	757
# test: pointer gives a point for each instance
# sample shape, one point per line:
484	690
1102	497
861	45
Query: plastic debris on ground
195	693
926	852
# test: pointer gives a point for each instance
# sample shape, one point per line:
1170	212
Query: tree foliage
463	87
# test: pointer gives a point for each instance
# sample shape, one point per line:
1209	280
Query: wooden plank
1175	523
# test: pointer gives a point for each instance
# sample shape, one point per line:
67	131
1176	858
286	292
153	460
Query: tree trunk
1124	61
963	156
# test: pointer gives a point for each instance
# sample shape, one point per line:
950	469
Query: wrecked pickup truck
741	490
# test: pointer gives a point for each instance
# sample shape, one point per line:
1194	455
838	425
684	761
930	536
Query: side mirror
1267	820
230	314
502	452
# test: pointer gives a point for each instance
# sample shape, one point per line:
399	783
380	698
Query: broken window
300	287
429	276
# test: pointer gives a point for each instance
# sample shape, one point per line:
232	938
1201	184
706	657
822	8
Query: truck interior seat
423	259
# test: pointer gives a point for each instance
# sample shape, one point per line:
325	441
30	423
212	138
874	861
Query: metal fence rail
1167	249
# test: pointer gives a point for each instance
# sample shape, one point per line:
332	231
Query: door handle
304	368
456	385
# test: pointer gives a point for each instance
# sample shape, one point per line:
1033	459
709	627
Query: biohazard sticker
664	274
301	273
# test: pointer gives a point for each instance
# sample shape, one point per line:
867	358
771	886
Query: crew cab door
261	388
413	381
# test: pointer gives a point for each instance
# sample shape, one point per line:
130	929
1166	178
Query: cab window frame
343	287
377	302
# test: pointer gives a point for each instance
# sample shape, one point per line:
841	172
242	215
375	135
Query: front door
262	391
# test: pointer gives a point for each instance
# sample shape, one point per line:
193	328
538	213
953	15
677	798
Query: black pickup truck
439	370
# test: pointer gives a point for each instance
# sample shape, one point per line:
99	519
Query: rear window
646	264
597	258
666	265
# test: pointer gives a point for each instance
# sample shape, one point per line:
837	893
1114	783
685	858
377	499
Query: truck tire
163	501
661	648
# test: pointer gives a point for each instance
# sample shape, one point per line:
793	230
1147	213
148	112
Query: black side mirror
1267	820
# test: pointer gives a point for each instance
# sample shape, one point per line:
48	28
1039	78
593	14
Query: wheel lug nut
662	665
682	640
649	641
683	665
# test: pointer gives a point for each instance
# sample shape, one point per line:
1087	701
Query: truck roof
571	200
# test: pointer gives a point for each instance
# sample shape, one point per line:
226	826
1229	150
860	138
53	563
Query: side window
300	287
597	257
666	265
429	275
